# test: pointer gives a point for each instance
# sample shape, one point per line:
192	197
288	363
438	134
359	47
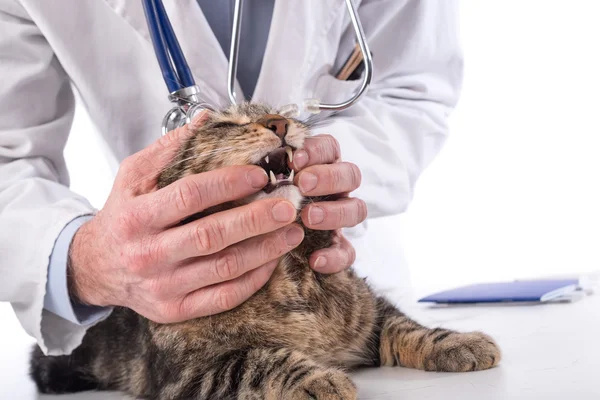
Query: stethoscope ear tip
312	106
289	111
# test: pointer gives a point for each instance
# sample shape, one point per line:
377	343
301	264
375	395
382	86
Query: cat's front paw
460	352
325	385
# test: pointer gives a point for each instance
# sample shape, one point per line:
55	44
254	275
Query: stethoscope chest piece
175	118
188	106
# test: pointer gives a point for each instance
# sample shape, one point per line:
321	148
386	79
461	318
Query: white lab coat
101	48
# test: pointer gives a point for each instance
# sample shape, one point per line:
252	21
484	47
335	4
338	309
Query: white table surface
550	352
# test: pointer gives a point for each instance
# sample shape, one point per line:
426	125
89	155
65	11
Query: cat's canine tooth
273	179
289	152
291	177
267	159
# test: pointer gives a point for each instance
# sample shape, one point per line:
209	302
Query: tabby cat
293	339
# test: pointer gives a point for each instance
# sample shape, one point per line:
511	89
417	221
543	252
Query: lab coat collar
297	28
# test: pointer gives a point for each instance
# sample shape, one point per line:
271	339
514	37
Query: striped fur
294	339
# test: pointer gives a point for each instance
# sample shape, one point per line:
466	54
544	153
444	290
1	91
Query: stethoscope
183	90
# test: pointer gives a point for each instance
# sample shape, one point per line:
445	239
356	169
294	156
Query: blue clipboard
500	292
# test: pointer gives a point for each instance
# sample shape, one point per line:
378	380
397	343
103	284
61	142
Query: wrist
82	284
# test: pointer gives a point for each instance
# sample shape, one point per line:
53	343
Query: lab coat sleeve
400	125
57	299
36	112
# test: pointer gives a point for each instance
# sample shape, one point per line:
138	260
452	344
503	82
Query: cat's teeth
267	159
273	179
291	178
289	152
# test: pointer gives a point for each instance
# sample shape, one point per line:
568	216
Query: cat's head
244	134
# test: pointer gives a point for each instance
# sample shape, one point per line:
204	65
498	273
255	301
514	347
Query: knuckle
227	265
342	216
143	254
227	298
312	148
203	239
253	220
336	176
226	183
184	310
271	248
128	163
127	223
167	312
136	260
208	238
356	175
334	147
185	196
166	141
154	251
362	210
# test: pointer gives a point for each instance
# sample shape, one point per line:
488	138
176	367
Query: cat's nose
276	123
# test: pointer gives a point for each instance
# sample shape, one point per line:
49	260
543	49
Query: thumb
143	167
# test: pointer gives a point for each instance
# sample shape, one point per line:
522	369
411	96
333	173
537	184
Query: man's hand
322	174
133	253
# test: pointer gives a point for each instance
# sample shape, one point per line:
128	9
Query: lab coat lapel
199	44
297	29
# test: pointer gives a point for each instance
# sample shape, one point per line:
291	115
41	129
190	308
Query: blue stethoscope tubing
175	69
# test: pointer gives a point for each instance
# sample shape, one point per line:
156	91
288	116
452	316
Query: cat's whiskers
316	120
195	157
200	156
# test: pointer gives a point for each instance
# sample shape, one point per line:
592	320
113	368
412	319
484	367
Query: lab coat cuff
57	299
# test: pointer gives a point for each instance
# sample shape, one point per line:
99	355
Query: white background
516	190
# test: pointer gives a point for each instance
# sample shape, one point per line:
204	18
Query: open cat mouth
276	166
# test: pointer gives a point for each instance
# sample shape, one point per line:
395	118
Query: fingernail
320	262
294	236
307	182
257	178
316	215
283	211
300	159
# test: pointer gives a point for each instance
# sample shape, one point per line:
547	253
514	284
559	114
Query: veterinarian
63	264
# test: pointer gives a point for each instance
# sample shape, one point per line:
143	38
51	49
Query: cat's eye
224	124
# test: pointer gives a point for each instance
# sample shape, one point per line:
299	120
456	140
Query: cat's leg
405	342
270	374
61	374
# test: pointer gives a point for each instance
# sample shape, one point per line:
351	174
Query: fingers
235	261
140	170
226	296
196	193
330	215
339	256
320	180
320	149
215	232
